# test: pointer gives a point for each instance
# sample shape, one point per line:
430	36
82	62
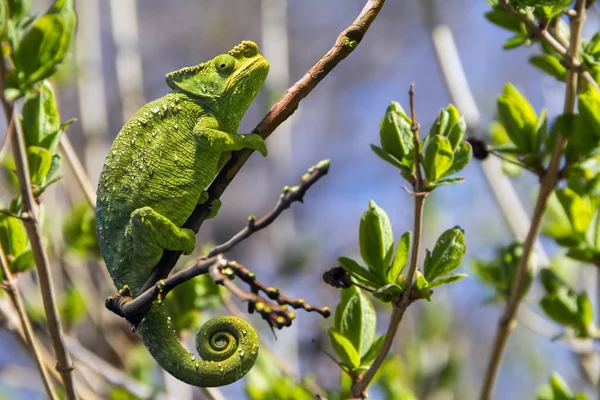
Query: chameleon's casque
153	178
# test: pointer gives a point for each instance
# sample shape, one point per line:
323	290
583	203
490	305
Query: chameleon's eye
225	63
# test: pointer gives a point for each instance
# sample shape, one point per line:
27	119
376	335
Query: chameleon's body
154	176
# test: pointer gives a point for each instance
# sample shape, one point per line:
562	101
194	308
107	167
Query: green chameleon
153	178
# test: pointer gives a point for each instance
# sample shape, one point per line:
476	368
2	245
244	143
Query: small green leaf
388	157
462	157
560	389
518	117
23	262
505	20
401	258
72	306
515	41
40	161
388	292
550	65
371	354
588	106
396	133
358	271
438	158
79	231
585	316
561	306
376	240
577	210
18	8
447	254
445	181
344	349
446	279
40	117
355	319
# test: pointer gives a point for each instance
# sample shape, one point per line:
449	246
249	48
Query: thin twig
17	302
507	322
82	177
345	43
30	212
359	387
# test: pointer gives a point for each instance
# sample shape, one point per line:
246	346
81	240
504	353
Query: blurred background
123	50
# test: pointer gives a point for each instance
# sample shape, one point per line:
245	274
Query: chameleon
155	174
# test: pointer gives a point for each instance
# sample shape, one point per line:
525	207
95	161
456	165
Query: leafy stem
359	387
507	322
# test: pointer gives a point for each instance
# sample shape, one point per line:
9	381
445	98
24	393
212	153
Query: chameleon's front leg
210	137
153	233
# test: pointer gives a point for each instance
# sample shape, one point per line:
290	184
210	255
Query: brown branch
345	43
508	322
78	170
30	213
359	387
134	308
15	297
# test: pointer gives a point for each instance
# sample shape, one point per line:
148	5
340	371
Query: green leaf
3	18
355	319
388	292
561	306
376	240
45	44
13	236
588	106
585	316
388	157
358	271
72	306
505	20
446	255
401	258
18	8
438	158
79	231
396	133
23	262
518	117
344	349
450	124
550	65
445	181
560	389
516	41
446	279
462	157
370	355
40	117
577	210
40	161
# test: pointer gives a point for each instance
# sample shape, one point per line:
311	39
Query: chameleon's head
232	79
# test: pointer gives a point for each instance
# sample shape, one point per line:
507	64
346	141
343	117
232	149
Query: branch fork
273	308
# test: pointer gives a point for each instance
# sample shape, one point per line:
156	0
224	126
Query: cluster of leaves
34	47
558	390
265	381
565	306
353	334
500	272
384	272
442	153
543	13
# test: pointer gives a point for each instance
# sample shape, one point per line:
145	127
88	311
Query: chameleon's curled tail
228	346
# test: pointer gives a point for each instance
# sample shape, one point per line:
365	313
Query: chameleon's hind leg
153	233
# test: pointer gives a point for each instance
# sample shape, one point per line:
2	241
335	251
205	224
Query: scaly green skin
154	176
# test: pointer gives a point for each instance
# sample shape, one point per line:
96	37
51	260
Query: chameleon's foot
254	142
153	232
125	291
215	206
